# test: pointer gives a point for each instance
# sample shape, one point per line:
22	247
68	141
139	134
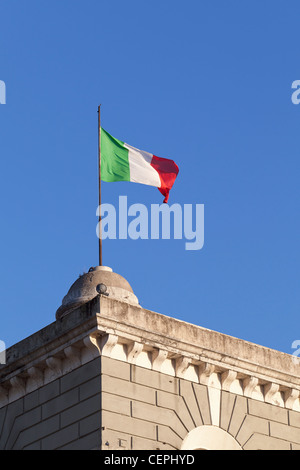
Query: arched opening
209	438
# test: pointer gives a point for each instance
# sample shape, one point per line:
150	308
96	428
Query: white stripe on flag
140	167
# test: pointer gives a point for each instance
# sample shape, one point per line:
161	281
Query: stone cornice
200	344
147	339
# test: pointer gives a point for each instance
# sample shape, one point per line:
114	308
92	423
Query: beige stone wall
145	409
64	414
112	375
137	408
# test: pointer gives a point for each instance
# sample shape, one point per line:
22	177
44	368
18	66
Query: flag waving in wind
122	162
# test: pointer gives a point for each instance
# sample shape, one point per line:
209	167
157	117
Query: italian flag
122	162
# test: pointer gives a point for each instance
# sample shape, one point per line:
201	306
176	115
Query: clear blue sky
206	83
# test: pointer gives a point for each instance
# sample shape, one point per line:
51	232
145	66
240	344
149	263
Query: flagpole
99	170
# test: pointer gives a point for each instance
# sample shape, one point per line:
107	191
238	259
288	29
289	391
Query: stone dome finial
99	279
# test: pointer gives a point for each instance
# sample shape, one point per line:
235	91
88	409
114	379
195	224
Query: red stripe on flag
168	171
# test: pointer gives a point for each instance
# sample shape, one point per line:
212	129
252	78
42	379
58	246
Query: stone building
109	374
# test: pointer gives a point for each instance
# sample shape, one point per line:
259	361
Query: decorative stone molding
182	364
73	354
270	391
55	365
72	358
17	388
35	379
249	385
158	358
133	351
205	372
227	379
216	372
290	397
107	343
91	346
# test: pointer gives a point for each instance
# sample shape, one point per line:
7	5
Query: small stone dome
88	286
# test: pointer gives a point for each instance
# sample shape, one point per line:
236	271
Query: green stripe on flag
114	159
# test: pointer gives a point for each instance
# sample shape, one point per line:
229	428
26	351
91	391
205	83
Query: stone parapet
128	333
